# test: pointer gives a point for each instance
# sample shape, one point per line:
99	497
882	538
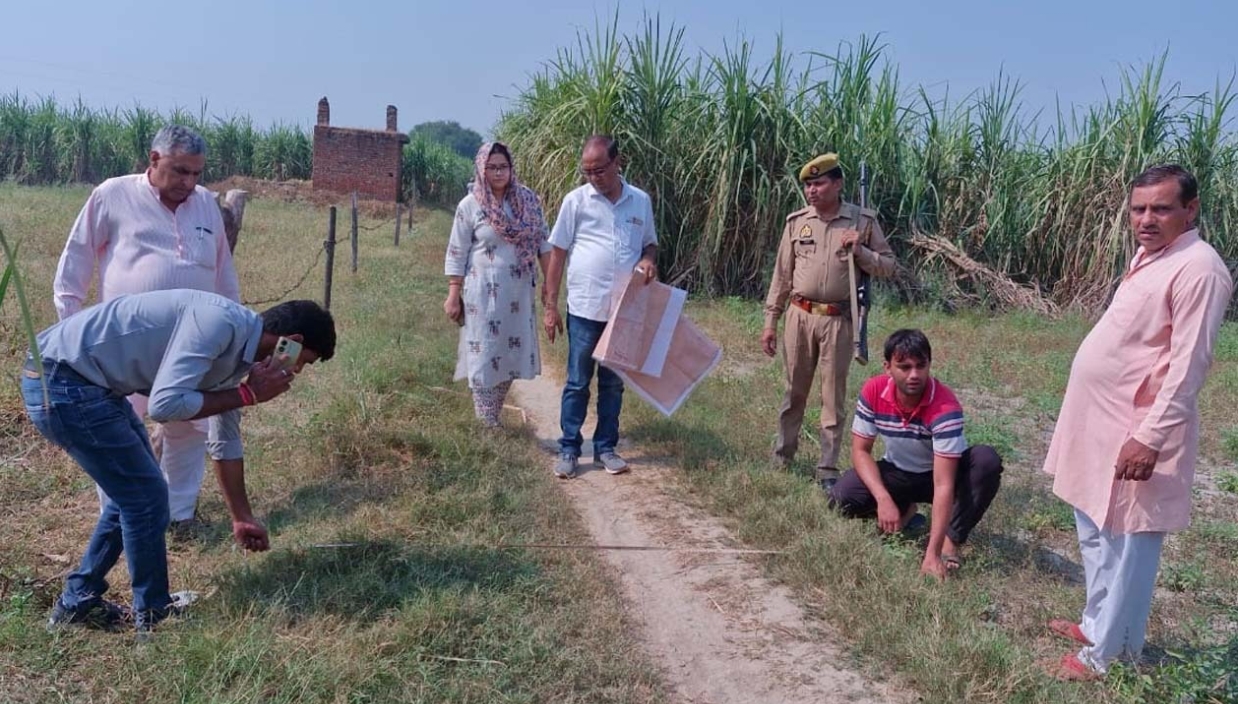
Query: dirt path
719	630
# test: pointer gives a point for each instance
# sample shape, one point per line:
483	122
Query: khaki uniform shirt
812	262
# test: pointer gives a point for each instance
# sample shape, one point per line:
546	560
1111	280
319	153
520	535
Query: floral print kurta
498	341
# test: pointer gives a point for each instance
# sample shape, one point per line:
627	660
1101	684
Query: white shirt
140	245
602	239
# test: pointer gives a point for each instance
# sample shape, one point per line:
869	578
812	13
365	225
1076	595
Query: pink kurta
1138	374
140	245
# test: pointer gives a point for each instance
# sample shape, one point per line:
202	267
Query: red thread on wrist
247	395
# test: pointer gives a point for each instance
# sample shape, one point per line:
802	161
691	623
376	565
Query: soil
718	629
298	191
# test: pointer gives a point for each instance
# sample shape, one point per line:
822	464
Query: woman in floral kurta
496	241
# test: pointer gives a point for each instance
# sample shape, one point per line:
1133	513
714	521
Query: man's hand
646	268
1135	462
769	341
453	307
849	238
552	322
933	566
268	379
251	535
889	518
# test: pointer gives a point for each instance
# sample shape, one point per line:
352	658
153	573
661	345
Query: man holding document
604	231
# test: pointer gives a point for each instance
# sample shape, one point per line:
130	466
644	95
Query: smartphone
292	348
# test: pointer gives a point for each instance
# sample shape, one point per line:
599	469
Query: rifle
859	287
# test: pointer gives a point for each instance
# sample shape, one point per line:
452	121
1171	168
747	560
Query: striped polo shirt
935	427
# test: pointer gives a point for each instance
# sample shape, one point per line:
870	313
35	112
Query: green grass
976	638
1228	481
386	581
1229	441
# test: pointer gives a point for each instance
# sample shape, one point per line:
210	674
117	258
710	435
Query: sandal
1069	669
1068	630
915	526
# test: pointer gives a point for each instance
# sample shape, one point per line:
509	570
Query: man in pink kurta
1123	452
154	231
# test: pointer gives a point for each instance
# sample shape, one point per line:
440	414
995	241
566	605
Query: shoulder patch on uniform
796	214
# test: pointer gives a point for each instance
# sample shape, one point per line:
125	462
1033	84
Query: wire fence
402	211
301	281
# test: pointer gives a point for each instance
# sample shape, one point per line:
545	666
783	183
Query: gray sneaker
826	477
612	463
187	530
565	467
101	614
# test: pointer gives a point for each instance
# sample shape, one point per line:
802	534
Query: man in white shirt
154	231
604	231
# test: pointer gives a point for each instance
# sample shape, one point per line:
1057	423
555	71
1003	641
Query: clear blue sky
464	59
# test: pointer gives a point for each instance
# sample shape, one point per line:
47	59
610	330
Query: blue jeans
100	431
582	338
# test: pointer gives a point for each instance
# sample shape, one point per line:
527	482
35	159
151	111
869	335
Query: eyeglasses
590	173
498	169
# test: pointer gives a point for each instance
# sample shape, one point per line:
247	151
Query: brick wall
365	161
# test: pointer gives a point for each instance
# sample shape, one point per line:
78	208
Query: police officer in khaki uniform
812	275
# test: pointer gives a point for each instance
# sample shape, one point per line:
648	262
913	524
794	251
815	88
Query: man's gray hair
178	139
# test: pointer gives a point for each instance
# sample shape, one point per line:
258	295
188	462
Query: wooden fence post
399	218
354	232
232	207
330	246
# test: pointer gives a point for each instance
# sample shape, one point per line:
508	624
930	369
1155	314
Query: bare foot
950	555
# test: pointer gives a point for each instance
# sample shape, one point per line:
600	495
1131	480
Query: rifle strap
857	216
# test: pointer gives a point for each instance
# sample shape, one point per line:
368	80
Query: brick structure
366	161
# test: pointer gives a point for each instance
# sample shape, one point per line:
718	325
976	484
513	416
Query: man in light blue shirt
196	355
606	226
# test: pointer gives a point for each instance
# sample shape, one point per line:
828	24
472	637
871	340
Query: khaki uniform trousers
814	344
